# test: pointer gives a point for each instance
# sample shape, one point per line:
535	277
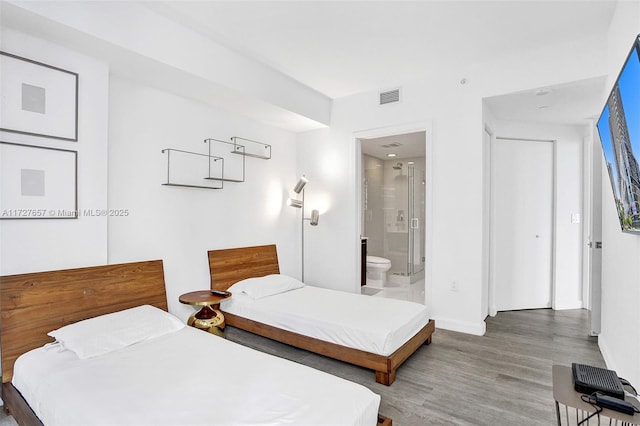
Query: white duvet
187	377
371	324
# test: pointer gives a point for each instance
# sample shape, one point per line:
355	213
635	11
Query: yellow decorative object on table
208	318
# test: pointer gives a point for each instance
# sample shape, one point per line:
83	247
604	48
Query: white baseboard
461	326
567	304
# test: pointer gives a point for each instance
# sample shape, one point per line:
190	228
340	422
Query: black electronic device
588	379
220	293
606	401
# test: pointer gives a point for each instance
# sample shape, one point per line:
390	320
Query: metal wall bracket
236	149
251	148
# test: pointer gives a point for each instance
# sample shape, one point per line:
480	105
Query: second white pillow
268	285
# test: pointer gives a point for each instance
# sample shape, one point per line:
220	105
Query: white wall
456	172
456	230
568	236
38	245
179	224
619	340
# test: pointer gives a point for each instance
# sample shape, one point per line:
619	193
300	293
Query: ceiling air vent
390	96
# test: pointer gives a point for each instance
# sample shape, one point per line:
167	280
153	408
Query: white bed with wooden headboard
374	333
128	364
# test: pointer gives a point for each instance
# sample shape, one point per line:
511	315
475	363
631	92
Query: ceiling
340	48
570	104
344	47
406	145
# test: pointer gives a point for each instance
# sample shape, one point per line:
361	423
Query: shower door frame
417	221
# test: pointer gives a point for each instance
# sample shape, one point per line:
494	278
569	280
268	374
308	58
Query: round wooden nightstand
208	318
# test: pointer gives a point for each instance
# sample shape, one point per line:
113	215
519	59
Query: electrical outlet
454	285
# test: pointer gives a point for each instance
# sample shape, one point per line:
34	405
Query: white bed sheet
188	377
371	324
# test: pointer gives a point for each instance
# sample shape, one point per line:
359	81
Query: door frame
422	126
488	308
592	254
492	244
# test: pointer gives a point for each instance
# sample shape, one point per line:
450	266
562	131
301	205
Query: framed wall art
38	99
38	182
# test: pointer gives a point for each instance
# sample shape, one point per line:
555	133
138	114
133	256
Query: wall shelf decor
189	169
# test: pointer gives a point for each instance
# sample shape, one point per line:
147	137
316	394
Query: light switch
575	218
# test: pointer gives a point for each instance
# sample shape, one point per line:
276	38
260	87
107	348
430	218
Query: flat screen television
619	129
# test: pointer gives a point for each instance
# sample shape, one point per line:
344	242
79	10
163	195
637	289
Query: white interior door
522	183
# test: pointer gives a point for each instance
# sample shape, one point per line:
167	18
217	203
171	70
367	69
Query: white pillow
260	287
107	333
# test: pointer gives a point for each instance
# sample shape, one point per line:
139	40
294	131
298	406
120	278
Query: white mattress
371	324
187	377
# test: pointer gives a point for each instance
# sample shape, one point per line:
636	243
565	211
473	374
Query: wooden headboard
229	266
34	304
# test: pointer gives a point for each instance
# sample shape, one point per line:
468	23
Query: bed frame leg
384	421
428	341
386	377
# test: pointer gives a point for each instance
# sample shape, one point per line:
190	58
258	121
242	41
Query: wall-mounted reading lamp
315	214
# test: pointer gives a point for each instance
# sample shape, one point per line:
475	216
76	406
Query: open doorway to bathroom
393	215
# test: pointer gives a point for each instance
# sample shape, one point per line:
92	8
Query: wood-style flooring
501	378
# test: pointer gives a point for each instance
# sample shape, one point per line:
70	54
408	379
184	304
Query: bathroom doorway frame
422	126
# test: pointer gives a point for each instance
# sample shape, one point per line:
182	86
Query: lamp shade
294	203
300	185
315	216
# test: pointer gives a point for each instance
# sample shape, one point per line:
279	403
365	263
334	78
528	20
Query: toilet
377	268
